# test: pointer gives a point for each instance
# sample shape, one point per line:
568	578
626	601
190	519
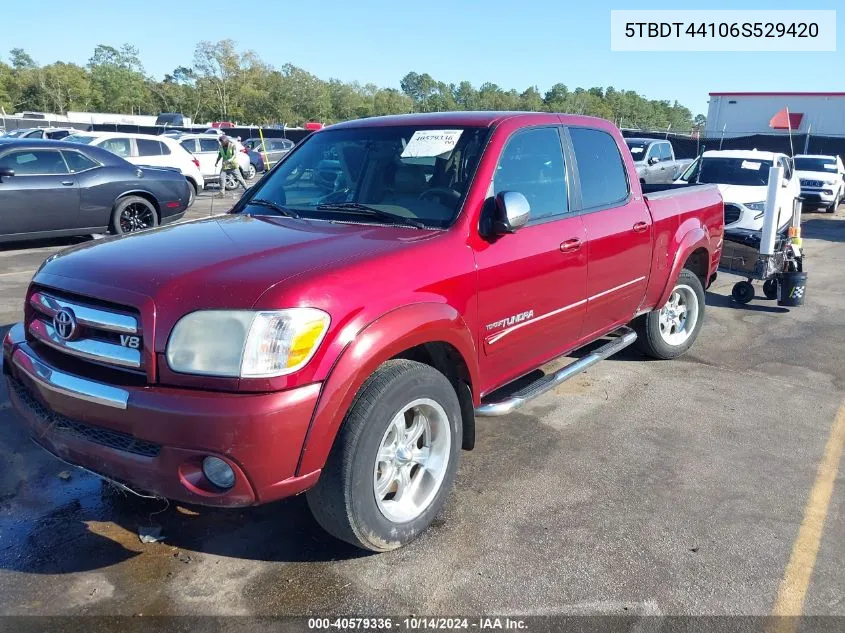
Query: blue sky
513	44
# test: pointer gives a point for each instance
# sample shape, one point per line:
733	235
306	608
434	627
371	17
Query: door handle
570	245
639	227
67	183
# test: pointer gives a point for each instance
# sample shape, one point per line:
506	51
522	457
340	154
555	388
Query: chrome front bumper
61	382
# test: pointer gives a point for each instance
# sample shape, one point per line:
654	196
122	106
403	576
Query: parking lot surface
638	487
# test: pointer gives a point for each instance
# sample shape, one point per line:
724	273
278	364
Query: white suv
205	147
743	180
146	149
822	180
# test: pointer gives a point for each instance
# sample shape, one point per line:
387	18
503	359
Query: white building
745	113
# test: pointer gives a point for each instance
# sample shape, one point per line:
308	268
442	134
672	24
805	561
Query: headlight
246	343
830	182
755	206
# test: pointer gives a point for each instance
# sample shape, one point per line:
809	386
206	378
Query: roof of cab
465	118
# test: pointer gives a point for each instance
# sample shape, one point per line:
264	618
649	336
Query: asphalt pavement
639	487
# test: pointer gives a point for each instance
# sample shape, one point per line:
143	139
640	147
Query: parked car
743	180
55	133
205	147
55	188
342	341
220	125
147	149
272	150
822	180
655	160
172	119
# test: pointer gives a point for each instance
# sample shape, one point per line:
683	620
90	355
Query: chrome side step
624	337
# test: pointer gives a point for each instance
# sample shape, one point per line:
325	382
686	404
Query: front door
532	282
42	195
619	231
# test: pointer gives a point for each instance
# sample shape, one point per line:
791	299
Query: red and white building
746	113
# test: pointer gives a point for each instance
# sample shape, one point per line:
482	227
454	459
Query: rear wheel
670	331
132	214
192	193
394	459
770	288
249	174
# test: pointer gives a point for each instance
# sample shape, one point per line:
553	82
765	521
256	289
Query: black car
56	188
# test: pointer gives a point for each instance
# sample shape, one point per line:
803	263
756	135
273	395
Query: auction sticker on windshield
747	164
427	143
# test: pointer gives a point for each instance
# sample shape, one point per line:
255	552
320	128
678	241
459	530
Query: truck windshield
637	148
419	173
815	164
734	171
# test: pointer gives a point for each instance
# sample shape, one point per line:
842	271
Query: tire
832	207
250	172
192	193
743	292
131	214
351	500
229	182
667	333
770	288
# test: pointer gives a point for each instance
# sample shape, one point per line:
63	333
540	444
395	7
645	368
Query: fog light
218	472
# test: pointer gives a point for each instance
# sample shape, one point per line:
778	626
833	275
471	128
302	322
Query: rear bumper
153	439
173	218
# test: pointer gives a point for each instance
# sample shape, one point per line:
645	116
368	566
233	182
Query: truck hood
818	175
224	262
741	193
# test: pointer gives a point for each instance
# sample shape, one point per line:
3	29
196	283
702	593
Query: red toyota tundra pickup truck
339	330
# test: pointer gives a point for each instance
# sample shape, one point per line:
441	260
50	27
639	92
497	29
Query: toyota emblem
65	324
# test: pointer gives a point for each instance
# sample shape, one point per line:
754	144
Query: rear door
618	231
152	152
207	155
532	282
41	196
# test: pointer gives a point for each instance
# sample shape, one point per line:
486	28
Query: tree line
225	84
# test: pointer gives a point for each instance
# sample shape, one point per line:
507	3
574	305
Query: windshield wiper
363	209
276	207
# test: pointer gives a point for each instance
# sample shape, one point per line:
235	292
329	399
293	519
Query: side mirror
6	172
653	160
511	213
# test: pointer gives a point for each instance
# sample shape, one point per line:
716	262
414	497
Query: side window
34	162
78	162
120	146
189	145
146	147
209	145
532	164
165	150
665	151
604	181
653	152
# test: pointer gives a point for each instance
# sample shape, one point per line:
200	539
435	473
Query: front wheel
192	193
670	331
394	459
249	174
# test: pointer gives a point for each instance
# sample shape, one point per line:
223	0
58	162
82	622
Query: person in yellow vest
228	153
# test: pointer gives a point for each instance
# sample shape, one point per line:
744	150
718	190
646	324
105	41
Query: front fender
381	340
692	240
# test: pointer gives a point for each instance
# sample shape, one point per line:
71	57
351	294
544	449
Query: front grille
732	213
96	434
86	330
